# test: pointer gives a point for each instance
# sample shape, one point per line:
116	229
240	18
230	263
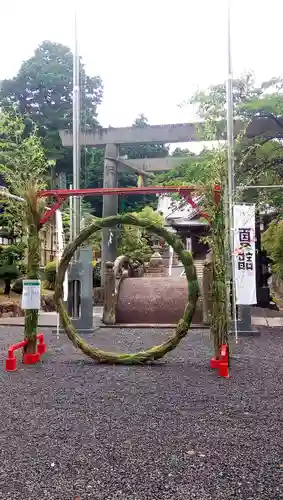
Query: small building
181	218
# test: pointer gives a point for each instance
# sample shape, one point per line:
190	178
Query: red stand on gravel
29	358
41	346
214	363
11	362
222	364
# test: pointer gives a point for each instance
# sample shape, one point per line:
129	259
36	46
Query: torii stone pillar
110	205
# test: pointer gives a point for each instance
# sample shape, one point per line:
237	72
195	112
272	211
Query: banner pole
231	173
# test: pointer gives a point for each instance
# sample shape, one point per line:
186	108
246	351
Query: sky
151	54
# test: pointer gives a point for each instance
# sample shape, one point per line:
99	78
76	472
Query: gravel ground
72	430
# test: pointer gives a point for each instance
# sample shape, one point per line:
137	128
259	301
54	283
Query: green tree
249	100
135	242
25	170
42	93
272	241
195	170
258	160
132	241
92	176
10	259
136	203
182	152
144	150
92	172
22	164
87	218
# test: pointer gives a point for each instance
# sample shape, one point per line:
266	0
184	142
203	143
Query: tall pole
76	154
71	215
231	169
76	131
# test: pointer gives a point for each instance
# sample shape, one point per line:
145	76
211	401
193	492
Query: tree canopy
24	169
41	92
23	165
257	161
136	242
136	203
92	172
249	99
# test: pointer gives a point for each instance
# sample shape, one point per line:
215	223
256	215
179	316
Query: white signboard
31	294
244	254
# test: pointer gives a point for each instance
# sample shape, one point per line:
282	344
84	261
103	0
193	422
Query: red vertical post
217	193
41	346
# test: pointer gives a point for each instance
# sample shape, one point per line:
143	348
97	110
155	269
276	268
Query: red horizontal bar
119	191
17	346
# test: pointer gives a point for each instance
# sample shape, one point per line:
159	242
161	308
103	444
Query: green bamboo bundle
182	328
219	316
33	261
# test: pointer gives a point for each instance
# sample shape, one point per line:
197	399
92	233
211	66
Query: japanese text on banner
244	254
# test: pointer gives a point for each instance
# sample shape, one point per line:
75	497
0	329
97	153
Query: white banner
244	254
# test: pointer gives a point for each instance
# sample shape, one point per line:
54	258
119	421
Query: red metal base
224	353
222	364
223	370
11	364
214	364
41	346
41	349
31	359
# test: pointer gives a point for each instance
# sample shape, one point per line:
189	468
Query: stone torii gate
112	138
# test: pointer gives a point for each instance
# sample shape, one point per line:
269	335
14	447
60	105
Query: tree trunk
31	320
33	261
7	288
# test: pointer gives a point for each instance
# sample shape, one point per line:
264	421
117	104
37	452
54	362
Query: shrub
50	275
10	257
136	242
8	272
22	266
272	241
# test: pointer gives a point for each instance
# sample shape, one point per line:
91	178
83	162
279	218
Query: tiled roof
177	210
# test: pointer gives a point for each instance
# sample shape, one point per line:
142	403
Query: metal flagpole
231	172
71	214
76	153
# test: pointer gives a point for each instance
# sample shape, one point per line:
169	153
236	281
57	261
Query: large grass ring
182	328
